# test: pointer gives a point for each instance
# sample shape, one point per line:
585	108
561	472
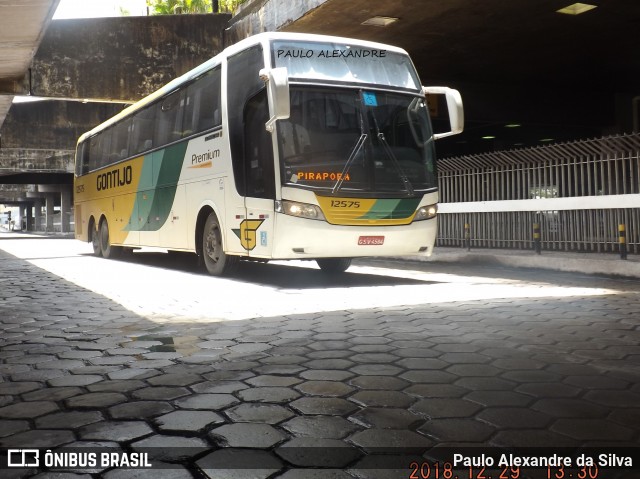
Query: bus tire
108	250
334	265
217	262
95	240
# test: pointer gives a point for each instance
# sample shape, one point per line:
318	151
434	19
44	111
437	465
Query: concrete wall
123	58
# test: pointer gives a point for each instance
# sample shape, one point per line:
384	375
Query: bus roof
263	38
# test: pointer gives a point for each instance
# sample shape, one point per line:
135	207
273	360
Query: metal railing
578	193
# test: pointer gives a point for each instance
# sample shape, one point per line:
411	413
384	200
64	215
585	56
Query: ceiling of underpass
503	43
516	62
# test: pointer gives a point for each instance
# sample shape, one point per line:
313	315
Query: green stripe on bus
153	206
405	208
391	209
380	210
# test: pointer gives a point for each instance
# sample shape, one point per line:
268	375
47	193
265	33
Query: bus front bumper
300	238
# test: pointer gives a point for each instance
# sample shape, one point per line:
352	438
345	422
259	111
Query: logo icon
247	233
23	458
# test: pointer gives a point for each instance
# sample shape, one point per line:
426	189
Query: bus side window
142	131
203	98
82	158
105	158
95	152
120	141
169	119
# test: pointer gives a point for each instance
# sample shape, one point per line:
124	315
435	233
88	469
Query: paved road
285	369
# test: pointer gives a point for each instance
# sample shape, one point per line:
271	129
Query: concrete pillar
65	209
29	209
23	217
50	201
37	215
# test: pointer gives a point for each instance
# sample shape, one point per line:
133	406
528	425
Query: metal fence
578	193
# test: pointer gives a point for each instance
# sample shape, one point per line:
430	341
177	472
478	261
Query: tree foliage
230	5
176	7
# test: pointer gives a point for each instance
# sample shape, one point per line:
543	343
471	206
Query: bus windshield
341	141
345	63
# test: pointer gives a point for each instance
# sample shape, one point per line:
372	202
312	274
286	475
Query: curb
598	264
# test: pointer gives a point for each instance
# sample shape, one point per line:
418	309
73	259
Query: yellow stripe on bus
112	193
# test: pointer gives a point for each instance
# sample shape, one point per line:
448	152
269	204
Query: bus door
259	175
251	152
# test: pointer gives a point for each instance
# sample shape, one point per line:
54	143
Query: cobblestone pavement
285	370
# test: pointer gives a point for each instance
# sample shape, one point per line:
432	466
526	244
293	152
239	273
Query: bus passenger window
169	119
120	141
203	98
104	158
82	158
99	149
142	133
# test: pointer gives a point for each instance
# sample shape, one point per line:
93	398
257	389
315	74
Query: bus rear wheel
107	249
334	265
217	262
95	240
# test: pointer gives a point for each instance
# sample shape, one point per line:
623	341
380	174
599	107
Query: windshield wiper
352	156
360	143
403	176
347	165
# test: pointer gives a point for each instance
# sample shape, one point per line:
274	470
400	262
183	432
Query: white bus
283	146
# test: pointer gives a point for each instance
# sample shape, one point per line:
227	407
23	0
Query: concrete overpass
557	76
22	26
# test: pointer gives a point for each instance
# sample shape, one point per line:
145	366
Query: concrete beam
53	124
123	58
256	16
52	188
12	197
20	160
36	196
16	189
15	194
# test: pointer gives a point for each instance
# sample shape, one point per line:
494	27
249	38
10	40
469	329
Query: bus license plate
371	240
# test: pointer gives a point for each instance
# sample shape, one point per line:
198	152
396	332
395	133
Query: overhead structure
22	26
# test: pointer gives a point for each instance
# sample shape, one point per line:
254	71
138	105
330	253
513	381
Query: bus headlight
426	213
301	210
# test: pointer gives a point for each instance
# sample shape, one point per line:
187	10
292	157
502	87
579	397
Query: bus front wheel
217	262
334	265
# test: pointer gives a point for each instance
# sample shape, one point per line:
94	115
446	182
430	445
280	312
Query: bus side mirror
277	81
454	106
